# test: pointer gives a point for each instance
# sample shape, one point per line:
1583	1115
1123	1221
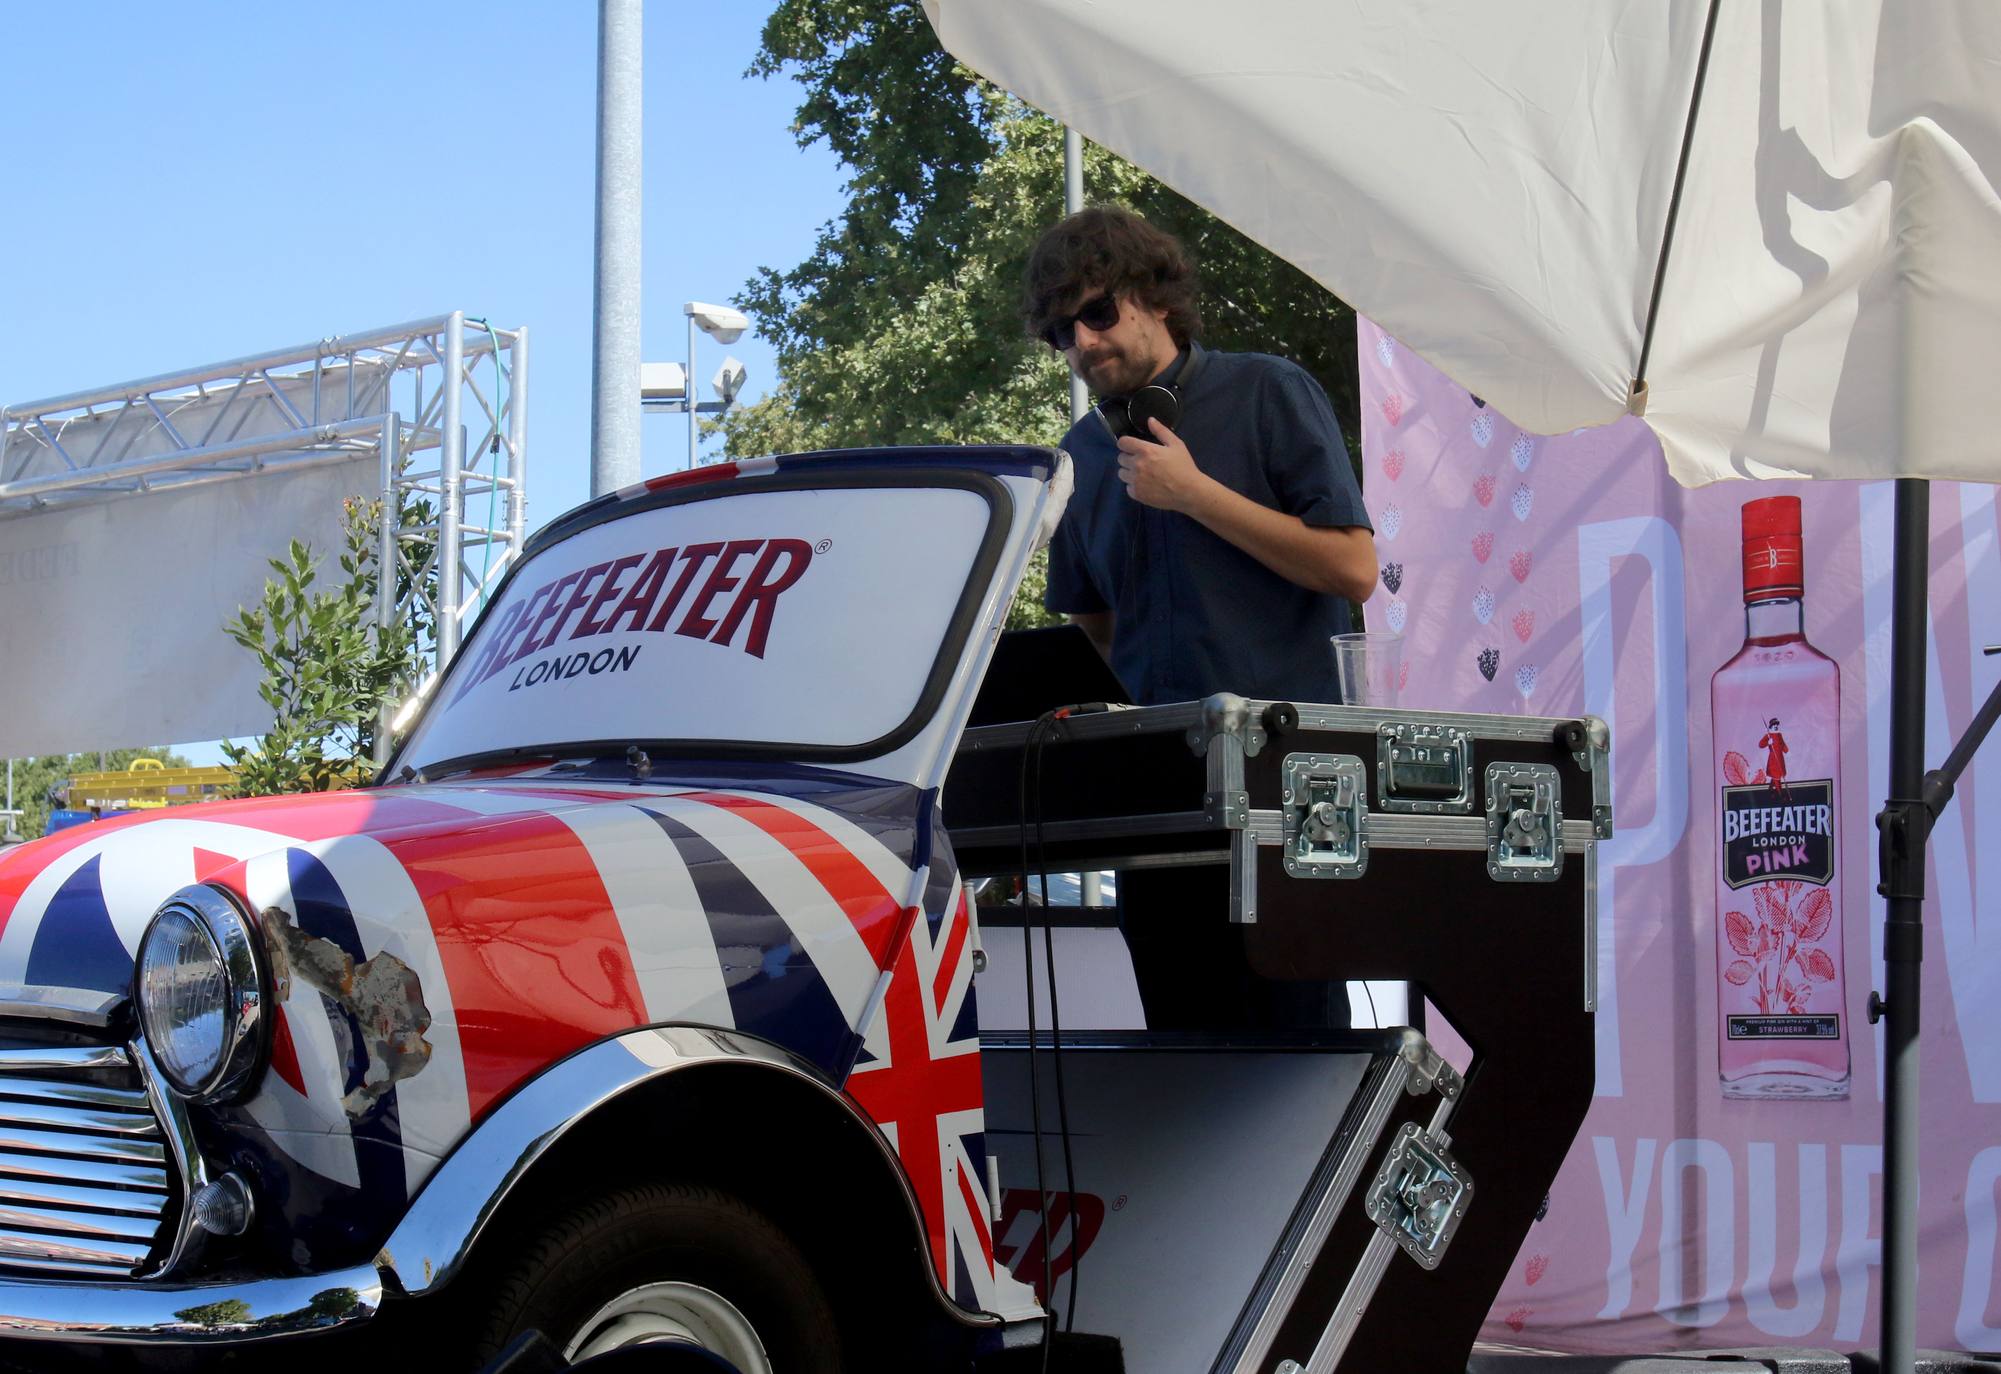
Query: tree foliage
329	669
903	325
227	1312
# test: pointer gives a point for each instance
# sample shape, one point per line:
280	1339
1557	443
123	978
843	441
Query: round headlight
200	990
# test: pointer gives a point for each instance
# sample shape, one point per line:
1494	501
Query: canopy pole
1904	825
1073	201
1636	402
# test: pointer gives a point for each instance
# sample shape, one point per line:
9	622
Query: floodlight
719	322
663	382
728	380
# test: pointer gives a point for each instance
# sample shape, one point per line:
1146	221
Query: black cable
1034	1078
1056	1050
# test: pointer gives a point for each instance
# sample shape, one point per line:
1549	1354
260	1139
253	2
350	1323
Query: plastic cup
1367	664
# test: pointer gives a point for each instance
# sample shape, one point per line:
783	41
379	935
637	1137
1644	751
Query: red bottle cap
1773	563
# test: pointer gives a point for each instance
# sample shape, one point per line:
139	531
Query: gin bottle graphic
1776	710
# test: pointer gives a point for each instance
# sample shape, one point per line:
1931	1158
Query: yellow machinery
145	784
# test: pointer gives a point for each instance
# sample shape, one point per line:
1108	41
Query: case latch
1420	1194
1425	769
1524	823
1326	816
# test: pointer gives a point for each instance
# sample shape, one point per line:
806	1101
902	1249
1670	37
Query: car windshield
812	620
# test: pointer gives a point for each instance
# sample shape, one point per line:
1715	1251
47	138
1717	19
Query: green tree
227	1312
328	668
331	1303
903	325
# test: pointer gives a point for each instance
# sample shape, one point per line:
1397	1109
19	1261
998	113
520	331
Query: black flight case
1454	852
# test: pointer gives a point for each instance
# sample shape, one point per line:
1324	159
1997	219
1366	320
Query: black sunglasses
1100	313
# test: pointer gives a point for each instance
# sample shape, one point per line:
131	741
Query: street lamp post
693	426
615	314
1073	201
671	387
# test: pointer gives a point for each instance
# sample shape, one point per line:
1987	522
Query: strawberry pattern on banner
1388	608
1447	461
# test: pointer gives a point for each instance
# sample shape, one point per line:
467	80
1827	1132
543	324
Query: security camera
719	322
663	382
728	380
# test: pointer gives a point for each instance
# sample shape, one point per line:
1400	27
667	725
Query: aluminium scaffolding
400	392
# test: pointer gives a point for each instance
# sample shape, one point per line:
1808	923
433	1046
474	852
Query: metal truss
405	393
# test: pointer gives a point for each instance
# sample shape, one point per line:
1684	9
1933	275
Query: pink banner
1726	1189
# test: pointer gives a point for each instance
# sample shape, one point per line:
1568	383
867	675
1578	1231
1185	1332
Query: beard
1115	372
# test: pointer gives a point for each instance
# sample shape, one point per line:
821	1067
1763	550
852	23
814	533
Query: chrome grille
87	1177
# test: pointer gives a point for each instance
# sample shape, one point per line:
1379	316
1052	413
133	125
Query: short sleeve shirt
1194	614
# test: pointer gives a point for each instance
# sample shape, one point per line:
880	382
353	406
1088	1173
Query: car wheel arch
771	1130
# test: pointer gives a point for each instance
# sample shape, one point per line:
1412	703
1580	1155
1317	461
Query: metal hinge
1428	1069
1524	823
1590	743
1420	1194
1325	817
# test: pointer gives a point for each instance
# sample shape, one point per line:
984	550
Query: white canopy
1490	180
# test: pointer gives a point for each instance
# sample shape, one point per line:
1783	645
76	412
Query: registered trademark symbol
1119	1203
823	546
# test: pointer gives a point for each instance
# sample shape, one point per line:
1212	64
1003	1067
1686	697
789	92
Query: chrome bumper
199	1314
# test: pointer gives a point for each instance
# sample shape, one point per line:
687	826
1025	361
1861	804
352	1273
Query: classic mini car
635	999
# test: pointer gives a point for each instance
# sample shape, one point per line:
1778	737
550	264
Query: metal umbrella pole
1903	826
1914	805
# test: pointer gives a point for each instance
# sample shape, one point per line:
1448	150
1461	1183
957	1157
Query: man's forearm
1341	562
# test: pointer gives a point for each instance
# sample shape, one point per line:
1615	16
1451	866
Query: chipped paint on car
383	995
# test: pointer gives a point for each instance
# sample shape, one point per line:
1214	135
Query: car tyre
665	1262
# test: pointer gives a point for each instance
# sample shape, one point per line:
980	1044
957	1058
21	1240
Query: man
1212	544
1774	745
1218	552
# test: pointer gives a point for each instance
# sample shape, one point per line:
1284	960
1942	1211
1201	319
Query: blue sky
190	183
195	182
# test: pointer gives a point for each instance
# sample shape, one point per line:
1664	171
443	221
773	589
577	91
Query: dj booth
1274	1201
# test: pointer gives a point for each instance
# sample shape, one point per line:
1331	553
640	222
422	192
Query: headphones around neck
1161	400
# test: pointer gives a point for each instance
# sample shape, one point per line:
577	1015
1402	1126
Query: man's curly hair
1106	248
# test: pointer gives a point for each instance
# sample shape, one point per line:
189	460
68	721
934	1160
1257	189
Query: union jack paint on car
671	817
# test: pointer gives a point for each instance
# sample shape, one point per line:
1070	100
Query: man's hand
1162	473
1340	561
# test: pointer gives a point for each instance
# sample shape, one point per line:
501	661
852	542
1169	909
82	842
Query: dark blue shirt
1194	614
